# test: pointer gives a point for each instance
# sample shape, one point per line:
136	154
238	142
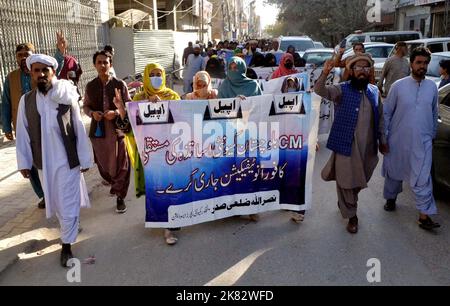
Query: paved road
235	251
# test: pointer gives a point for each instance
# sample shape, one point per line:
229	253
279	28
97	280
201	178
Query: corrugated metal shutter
153	46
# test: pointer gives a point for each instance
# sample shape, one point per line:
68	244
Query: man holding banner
356	131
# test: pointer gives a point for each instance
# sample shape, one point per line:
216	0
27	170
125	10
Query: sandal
170	238
297	216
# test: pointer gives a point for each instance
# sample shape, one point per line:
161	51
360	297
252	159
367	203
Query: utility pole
155	15
174	16
201	21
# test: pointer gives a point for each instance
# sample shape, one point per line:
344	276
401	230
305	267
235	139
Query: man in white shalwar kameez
410	116
194	64
51	136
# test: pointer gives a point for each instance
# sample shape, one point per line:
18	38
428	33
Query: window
406	37
300	45
387	51
437	47
357	38
378	38
376	52
318	58
422	26
448	46
446	100
433	66
411	25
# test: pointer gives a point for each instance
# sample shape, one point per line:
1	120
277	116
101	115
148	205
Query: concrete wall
122	40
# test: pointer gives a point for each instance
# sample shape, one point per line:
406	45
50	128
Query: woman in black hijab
298	60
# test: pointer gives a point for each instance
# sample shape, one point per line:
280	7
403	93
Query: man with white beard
51	137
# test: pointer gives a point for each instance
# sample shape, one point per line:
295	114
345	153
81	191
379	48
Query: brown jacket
15	92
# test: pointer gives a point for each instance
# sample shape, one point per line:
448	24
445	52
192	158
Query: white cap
43	59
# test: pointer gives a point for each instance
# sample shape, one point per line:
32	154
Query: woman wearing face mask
202	87
286	66
154	90
236	83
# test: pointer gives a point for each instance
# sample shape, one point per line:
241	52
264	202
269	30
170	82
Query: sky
267	12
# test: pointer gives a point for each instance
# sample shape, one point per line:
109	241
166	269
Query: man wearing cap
411	117
17	83
355	134
51	137
194	64
358	48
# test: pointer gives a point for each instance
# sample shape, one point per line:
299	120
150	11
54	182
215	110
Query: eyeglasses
358	68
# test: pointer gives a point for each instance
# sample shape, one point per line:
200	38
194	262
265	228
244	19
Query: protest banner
211	159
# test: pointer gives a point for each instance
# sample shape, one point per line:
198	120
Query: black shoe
427	224
390	205
352	226
66	254
121	207
41	204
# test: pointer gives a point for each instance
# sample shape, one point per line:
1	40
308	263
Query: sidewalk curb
11	247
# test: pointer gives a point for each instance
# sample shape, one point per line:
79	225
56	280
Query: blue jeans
36	183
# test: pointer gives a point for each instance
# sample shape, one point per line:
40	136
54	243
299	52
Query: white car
433	67
300	43
386	37
435	45
379	51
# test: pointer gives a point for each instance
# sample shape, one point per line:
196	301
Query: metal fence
37	21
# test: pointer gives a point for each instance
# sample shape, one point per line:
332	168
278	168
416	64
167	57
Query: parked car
435	45
390	37
301	43
441	146
317	57
379	51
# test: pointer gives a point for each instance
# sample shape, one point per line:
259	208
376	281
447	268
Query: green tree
324	20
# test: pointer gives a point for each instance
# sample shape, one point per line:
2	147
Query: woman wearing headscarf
202	87
286	66
237	83
216	67
154	90
270	60
257	60
298	60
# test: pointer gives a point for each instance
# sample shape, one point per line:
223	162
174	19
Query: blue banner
211	159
